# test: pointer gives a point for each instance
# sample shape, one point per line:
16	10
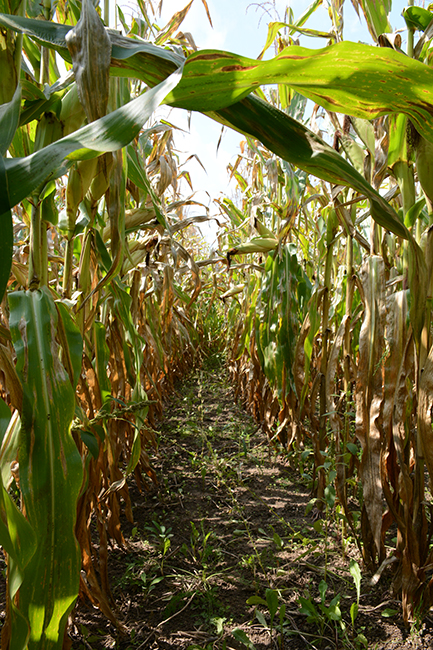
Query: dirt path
228	525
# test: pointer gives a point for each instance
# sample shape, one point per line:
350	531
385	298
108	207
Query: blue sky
240	26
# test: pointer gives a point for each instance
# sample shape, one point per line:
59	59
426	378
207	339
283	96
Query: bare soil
228	521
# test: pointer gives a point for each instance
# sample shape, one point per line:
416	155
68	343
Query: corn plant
110	314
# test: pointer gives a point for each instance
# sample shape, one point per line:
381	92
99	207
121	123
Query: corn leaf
351	78
376	15
278	315
369	394
50	469
300	146
9	118
109	133
417	17
6	241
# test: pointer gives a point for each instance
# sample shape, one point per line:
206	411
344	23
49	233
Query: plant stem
44	253
67	272
35	268
410	35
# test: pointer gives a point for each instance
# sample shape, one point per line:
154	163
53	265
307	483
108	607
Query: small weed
329	618
136	577
273	606
162	536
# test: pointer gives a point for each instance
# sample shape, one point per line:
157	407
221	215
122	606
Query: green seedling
355	572
162	535
200	543
324	615
150	581
274	537
242	637
273	606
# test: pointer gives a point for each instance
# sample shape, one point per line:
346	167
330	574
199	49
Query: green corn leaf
6	240
417	18
272	601
414	212
8	123
50	470
351	78
5	418
9	118
6	246
298	145
91	443
109	133
130	58
376	15
72	343
278	316
10	443
19	542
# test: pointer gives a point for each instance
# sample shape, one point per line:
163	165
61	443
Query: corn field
321	285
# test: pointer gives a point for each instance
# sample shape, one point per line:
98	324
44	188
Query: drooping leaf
5	417
19	542
351	78
102	355
174	23
157	61
6	241
376	15
298	145
278	316
109	133
72	343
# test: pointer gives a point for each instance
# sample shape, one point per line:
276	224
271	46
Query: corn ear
134	220
79	180
49	130
255	245
101	179
72	113
233	292
263	230
424	165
